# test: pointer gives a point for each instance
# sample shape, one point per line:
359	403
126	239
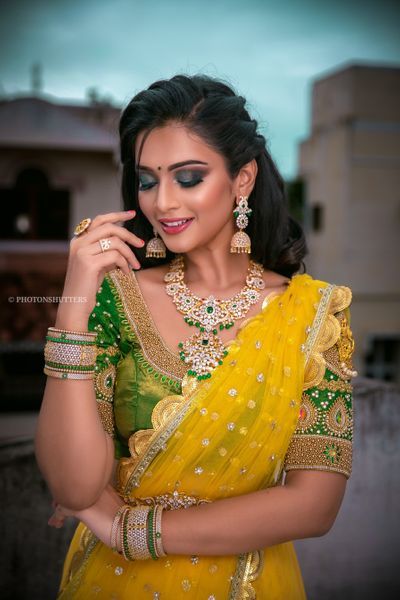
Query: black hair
212	110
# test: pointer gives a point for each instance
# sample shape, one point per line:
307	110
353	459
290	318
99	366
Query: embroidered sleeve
104	319
324	434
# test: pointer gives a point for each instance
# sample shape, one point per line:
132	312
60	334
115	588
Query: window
295	195
317	217
33	210
382	360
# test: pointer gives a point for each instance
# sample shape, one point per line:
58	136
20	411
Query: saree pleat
226	437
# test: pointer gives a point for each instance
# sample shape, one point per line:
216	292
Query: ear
245	179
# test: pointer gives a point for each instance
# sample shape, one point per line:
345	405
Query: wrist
72	321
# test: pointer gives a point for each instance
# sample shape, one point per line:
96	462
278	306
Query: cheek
215	196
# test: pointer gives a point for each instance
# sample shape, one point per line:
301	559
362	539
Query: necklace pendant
205	350
202	352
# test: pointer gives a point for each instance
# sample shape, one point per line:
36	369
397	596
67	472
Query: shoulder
337	297
330	342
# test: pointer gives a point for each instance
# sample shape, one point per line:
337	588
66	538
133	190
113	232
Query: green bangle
68	341
125	545
66	367
150	534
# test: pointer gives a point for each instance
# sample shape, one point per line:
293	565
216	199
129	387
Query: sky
270	51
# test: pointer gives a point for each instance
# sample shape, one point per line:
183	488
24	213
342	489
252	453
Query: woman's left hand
98	517
59	515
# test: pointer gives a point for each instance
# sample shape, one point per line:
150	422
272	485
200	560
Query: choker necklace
204	350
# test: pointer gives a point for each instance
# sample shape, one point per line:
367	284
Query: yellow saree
222	437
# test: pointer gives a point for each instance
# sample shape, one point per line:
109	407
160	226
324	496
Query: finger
110	229
120	246
55	521
109	260
112	217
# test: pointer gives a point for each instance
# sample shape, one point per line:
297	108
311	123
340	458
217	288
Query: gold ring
82	226
105	244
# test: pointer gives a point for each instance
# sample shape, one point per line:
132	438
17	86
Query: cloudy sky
269	50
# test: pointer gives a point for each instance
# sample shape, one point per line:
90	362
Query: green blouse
135	369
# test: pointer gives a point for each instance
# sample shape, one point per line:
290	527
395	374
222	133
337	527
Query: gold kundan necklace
204	350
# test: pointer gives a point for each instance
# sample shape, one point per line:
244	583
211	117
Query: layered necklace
205	350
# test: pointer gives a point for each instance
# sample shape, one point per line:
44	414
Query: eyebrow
174	166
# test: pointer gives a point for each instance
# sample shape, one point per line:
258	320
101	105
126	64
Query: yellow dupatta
227	436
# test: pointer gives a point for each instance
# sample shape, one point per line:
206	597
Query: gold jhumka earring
155	247
240	241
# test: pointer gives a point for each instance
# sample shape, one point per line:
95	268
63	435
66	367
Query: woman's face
185	190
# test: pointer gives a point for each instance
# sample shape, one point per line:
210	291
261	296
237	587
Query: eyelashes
183	182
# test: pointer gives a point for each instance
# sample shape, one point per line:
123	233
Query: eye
146	182
189	178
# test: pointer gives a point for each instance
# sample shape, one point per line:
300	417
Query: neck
215	270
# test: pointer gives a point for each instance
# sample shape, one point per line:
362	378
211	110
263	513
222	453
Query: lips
173	222
175	225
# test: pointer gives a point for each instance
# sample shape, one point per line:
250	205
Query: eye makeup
185	178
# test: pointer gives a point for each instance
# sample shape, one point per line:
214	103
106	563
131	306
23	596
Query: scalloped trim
325	332
248	569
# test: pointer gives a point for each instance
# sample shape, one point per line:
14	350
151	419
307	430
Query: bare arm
74	453
306	506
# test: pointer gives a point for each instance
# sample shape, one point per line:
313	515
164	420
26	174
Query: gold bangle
115	526
158	511
60	374
136	533
72	335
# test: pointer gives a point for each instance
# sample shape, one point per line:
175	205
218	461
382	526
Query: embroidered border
106	413
248	569
140	321
319	452
325	332
319	318
334	385
87	543
156	443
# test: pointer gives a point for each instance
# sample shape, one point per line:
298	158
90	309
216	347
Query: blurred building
349	166
58	164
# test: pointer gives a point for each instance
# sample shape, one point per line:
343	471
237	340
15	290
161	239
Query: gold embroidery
320	452
109	351
104	383
341	299
326	332
141	321
334	385
337	419
87	543
338	357
106	413
346	347
145	444
170	501
248	570
308	414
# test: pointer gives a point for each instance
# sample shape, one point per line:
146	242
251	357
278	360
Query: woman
207	449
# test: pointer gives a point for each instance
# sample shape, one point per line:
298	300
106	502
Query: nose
167	197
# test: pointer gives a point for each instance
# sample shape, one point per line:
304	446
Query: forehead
173	143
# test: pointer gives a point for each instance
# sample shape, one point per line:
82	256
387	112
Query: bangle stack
139	529
70	354
115	526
